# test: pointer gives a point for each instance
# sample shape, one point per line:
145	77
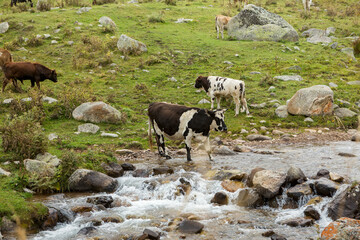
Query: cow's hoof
189	160
167	157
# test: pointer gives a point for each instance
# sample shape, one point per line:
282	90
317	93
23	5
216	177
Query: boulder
311	212
141	173
87	231
128	167
49	159
257	24
97	112
257	137
251	175
4	172
220	198
232	186
113	169
106	201
43	165
4	26
315	100
346	203
82	208
51	219
343	228
249	198
344	112
268	182
289	78
325	187
295	175
223	150
281	111
239	177
88	128
107	22
299	191
323	173
130	46
83	180
163	170
151	234
349	52
188	226
298	222
319	39
336	177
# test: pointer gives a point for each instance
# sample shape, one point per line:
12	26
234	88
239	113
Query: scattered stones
163	170
106	201
310	211
87	180
268	182
88	128
188	226
4	172
299	191
343	228
257	24
325	187
220	198
344	112
97	112
257	137
346	203
289	78
203	101
281	111
315	100
249	198
107	22
4	26
299	222
130	46
232	186
113	169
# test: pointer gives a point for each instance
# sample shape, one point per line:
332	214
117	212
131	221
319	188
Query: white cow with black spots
217	87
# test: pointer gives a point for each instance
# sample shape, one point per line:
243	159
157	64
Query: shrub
170	2
69	163
101	2
43	5
356	46
34	41
156	18
23	136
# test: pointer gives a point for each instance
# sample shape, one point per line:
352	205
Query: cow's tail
216	22
150	135
11	59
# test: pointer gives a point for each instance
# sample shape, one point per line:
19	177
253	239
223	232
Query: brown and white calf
217	87
221	22
178	122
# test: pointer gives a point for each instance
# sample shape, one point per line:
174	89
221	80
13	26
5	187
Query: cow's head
53	76
199	83
220	120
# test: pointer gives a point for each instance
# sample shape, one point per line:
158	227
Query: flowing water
155	203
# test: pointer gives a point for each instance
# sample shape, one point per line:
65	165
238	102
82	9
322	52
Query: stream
155	202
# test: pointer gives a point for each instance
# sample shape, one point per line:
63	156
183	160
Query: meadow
93	69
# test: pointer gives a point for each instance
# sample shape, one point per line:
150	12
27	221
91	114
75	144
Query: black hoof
167	157
189	160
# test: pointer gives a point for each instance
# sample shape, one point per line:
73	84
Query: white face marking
1	54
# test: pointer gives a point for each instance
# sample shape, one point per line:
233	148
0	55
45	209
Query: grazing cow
5	57
34	72
216	87
307	4
13	2
179	122
221	24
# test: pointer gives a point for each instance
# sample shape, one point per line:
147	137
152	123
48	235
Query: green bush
69	163
356	46
23	136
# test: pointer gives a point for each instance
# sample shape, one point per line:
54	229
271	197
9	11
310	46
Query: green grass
131	89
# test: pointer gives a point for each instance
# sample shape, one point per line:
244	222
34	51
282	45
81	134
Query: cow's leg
217	31
208	147
188	136
218	102
5	82
222	32
32	83
237	104
212	99
161	145
244	106
31	4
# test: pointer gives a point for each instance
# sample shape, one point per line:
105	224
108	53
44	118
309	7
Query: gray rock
8	101
319	39
310	211
296	68
271	89
97	112
224	150
249	198
298	222
350	52
281	111
258	106
83	180
4	26
4	172
107	22
299	191
325	187
183	20
294	175
329	31
308	119
267	182
254	72
114	135
257	137
163	170
334	45
49	99
83	10
190	227
252	174
356	137
344	112
49	159
131	46
354	83
244	131
289	78
57	30
28	99
344	103
257	24
70	43
47	35
88	128
333	85
54	42
312	101
203	101
38	168
277	132
228	62
314	32
53	136
346	203
113	169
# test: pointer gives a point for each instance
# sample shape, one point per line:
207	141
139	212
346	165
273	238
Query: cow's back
167	116
19	70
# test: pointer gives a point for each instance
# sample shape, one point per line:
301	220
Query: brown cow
35	72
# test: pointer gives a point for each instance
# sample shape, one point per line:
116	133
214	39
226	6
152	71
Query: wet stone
82	208
277	237
113	169
310	211
51	220
239	177
323	173
163	170
141	173
232	186
249	198
294	174
299	191
343	154
298	222
325	187
151	234
220	198
113	219
188	226
105	201
128	167
251	176
87	231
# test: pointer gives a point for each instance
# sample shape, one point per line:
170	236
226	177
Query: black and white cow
178	122
216	87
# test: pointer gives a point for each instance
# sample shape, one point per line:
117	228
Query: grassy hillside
182	51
